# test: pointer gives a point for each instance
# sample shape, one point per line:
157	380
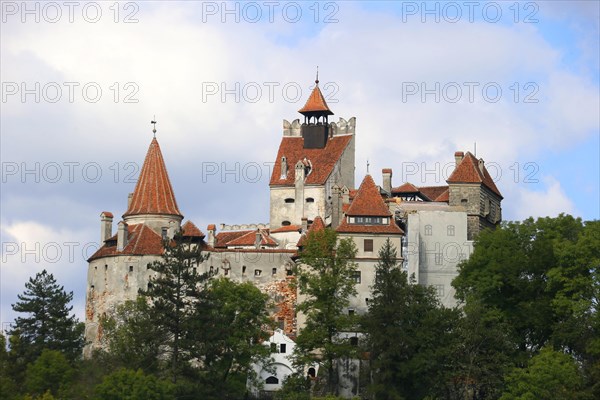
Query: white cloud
550	200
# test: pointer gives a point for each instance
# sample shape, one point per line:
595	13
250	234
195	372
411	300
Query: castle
311	187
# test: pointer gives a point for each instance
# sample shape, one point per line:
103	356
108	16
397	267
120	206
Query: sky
517	83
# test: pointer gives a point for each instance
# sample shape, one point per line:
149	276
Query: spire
316	106
153	192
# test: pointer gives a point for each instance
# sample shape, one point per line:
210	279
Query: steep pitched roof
316	103
142	240
189	229
153	192
406	188
468	172
317	225
368	201
322	160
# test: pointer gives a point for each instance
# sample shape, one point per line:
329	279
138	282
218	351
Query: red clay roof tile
317	225
406	188
390	228
433	192
142	240
316	103
322	160
368	201
468	172
189	229
289	228
153	192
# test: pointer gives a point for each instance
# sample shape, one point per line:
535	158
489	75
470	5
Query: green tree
407	332
51	372
174	294
8	386
127	384
232	322
47	324
132	338
550	375
325	279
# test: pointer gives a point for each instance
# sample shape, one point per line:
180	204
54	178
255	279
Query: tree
550	375
325	278
51	372
232	322
127	384
132	338
8	387
174	294
48	324
407	332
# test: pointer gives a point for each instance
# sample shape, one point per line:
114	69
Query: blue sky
404	70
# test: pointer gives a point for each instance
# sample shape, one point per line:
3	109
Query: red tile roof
223	238
211	227
433	192
289	228
322	160
153	193
244	238
142	240
468	172
107	214
445	196
368	201
390	228
317	225
386	171
189	229
316	103
406	188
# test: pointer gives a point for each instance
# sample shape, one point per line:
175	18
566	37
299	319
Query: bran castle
312	187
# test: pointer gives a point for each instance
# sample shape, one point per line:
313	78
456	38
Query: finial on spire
368	166
317	80
153	122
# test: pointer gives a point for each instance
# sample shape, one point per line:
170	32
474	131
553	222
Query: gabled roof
368	201
316	103
317	225
189	229
244	238
288	228
142	240
406	188
322	160
468	172
153	192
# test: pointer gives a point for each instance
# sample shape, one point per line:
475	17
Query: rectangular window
438	258
164	233
450	230
274	271
368	245
439	290
354	341
131	268
281	323
428	230
257	272
356	276
351	311
273	347
282	348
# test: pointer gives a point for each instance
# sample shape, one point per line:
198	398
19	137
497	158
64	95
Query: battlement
342	127
243	227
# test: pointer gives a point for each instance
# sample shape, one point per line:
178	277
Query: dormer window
283	167
369	220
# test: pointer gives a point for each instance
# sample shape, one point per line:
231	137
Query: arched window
312	372
272	380
310	200
286	223
289	200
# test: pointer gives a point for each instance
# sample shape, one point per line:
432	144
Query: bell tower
315	129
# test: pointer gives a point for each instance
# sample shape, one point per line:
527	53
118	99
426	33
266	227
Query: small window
96	268
286	223
289	272
281	323
92	287
356	276
368	245
428	230
195	270
148	266
257	272
164	233
367	301
438	258
282	348
464	202
272	380
211	269
226	271
243	269
149	285
131	268
310	200
354	341
312	372
450	230
274	271
351	311
273	347
289	200
105	267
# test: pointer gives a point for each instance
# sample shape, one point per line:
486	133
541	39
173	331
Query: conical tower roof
316	104
153	192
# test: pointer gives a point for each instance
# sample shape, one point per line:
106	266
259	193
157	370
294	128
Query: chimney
129	200
211	234
106	219
304	224
336	206
345	195
258	239
387	179
458	157
481	165
122	234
